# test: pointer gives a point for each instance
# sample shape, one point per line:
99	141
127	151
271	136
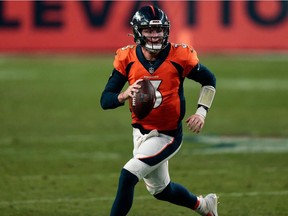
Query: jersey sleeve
122	58
109	97
192	60
185	56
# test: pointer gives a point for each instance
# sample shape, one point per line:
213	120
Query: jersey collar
152	67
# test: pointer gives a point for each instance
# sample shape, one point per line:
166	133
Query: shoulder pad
186	56
123	52
123	57
184	47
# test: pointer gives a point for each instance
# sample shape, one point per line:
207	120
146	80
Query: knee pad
154	190
138	168
156	185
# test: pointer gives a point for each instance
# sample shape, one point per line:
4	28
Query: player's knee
156	189
162	195
127	178
137	167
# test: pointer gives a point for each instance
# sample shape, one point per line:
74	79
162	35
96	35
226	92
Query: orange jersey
166	74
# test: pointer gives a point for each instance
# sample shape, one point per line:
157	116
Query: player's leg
151	155
125	193
145	147
158	180
158	184
132	172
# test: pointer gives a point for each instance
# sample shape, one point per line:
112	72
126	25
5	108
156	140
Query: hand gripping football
143	101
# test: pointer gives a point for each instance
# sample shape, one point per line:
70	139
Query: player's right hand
130	91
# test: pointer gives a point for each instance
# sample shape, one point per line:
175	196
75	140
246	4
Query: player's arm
109	98
207	79
202	75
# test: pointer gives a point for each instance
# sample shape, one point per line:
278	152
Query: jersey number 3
156	84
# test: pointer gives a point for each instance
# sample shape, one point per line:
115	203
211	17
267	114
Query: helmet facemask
154	43
145	19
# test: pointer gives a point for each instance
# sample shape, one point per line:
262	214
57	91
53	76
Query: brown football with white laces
143	101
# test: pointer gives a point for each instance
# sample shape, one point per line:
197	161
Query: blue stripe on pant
170	149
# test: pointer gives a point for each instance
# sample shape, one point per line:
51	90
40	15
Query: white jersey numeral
156	84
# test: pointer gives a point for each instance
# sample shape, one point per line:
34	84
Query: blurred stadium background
60	154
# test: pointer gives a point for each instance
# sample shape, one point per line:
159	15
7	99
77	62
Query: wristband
206	97
201	111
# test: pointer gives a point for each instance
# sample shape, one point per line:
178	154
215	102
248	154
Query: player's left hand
195	123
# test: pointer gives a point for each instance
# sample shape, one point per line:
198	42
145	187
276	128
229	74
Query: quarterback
158	136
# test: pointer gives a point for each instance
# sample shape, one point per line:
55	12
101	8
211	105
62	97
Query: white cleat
208	205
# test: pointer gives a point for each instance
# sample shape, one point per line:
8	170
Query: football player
158	137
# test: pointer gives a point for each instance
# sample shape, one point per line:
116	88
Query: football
143	101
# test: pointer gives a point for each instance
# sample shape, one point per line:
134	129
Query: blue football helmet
150	17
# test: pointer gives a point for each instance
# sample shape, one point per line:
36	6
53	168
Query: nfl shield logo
151	70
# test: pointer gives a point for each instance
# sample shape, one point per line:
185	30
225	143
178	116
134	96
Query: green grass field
60	153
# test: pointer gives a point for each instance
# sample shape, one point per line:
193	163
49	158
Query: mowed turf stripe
226	144
100	176
64	139
251	84
97	199
211	144
248	84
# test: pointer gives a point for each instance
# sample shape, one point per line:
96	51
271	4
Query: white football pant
150	158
